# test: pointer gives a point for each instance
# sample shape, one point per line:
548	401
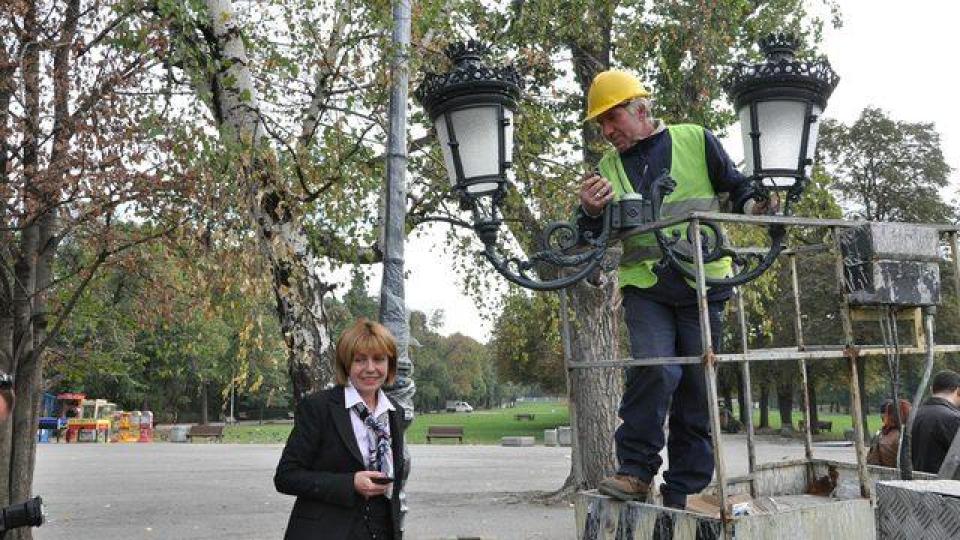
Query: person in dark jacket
936	422
344	459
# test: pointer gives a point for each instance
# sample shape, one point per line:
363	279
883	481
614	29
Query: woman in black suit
344	457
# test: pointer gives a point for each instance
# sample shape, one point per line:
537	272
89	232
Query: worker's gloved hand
595	193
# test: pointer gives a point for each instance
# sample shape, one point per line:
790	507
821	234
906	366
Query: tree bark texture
594	393
282	240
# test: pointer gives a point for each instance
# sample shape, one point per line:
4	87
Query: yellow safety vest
694	192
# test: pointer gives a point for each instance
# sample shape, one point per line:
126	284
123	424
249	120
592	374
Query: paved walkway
199	491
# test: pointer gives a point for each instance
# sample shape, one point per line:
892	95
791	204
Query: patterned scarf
381	456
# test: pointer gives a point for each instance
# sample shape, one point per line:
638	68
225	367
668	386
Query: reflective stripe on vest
694	192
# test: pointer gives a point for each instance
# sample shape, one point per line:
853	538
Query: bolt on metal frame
800	353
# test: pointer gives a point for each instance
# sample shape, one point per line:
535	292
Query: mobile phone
381	479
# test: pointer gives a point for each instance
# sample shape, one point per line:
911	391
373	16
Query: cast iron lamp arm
560	239
752	265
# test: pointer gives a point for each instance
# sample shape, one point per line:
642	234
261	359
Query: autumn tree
80	154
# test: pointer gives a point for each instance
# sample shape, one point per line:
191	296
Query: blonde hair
369	337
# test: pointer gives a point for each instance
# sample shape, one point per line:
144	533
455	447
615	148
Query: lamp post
472	108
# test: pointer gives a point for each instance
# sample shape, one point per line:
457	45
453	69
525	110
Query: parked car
459	406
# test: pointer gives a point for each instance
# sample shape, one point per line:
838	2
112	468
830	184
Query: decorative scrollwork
468	76
563	249
816	78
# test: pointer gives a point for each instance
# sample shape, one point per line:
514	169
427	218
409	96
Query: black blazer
318	464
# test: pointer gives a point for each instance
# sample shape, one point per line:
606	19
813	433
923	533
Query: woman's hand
364	486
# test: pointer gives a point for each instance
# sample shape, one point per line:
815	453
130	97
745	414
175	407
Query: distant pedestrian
886	445
937	422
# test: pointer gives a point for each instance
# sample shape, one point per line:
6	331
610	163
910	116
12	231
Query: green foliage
886	169
166	320
526	341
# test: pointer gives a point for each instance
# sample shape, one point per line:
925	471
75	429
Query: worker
660	305
936	423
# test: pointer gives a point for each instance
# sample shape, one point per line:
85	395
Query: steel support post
747	391
904	454
710	373
804	380
852	354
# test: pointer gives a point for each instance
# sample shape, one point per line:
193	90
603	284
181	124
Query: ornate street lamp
472	108
779	103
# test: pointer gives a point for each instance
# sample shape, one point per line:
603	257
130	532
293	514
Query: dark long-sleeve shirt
934	428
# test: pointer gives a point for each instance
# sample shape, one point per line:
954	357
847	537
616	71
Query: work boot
625	488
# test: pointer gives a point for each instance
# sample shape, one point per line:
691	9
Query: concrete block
549	437
516	441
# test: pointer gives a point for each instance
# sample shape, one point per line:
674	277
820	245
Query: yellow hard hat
611	88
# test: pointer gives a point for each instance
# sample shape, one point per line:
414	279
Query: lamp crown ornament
468	76
814	80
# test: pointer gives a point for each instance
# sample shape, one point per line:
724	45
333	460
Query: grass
488	426
841	422
479	427
265	434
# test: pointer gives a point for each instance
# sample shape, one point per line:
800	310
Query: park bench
445	432
524	416
821	425
205	430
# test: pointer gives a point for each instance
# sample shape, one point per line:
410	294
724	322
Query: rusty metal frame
801	353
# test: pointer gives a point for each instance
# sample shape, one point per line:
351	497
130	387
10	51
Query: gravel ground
198	491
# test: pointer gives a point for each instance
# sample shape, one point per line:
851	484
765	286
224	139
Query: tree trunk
204	414
742	399
764	405
785	404
594	393
595	330
282	240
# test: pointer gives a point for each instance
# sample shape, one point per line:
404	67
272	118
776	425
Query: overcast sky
899	56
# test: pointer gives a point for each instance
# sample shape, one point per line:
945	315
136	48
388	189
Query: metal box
891	264
918	509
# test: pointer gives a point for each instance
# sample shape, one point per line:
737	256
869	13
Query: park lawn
479	427
841	422
488	426
257	434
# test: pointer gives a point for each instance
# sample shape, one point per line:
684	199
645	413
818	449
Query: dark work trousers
666	325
